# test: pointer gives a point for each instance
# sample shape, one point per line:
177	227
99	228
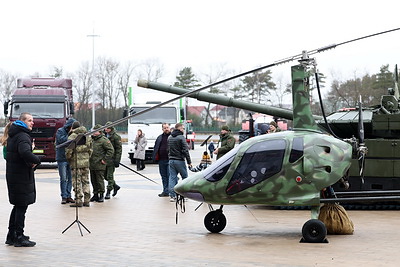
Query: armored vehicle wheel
314	231
215	221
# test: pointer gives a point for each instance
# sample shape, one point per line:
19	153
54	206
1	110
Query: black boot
101	198
10	238
116	188
22	241
95	197
138	165
108	194
142	163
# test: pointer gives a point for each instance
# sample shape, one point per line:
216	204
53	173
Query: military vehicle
382	138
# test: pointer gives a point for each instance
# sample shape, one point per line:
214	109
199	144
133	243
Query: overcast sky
240	34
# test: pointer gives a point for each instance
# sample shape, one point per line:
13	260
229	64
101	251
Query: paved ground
137	228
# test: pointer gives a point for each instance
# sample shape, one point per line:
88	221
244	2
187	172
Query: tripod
79	140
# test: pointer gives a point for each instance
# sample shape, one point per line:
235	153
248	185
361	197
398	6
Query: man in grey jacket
178	151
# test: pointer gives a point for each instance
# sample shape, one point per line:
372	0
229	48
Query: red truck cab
50	102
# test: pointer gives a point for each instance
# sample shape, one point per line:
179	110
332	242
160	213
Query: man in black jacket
160	154
21	163
178	151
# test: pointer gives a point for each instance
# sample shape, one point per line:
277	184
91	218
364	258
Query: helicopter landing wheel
215	221
314	231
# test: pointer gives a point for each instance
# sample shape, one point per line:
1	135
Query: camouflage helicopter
289	168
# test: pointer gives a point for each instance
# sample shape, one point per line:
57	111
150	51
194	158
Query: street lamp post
93	78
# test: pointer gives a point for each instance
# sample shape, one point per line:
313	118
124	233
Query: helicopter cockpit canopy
258	162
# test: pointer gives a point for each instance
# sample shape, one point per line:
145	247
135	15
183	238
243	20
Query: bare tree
7	83
82	83
215	74
124	79
150	69
107	76
236	91
281	90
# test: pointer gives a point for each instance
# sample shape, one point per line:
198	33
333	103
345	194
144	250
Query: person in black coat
178	151
160	155
21	163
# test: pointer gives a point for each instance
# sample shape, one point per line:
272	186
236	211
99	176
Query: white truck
151	125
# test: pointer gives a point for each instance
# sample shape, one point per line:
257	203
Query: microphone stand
77	141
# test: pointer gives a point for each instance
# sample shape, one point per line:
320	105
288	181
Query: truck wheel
243	136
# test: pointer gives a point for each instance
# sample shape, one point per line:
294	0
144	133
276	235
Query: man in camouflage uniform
102	154
79	163
227	142
115	140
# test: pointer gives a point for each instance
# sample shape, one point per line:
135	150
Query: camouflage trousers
109	176
97	179
80	182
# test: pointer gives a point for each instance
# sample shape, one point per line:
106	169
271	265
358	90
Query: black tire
243	136
192	142
314	231
215	221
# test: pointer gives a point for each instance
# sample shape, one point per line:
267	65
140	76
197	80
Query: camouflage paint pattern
80	182
302	115
83	152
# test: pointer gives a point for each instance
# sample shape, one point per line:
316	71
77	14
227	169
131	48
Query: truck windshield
39	110
158	115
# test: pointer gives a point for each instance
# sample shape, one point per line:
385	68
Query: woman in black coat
21	163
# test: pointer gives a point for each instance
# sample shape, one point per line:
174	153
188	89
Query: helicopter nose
188	188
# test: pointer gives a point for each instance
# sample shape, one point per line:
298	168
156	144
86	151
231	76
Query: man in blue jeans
160	154
64	169
178	151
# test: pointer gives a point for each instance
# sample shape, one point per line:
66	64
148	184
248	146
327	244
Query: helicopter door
261	161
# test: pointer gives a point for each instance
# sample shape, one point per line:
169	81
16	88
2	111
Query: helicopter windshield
261	161
216	171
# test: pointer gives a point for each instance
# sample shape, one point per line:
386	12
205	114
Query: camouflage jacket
102	150
83	152
227	142
116	142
